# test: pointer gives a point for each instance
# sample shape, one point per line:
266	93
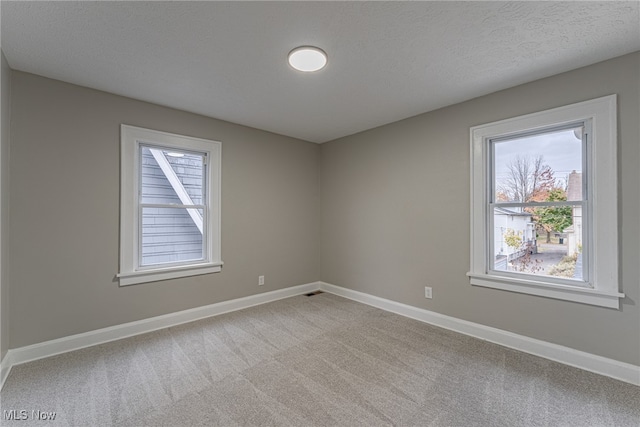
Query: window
170	206
544	204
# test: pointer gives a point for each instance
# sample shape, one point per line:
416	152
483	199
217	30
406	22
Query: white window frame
601	228
131	138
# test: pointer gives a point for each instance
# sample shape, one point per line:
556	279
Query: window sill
144	276
562	292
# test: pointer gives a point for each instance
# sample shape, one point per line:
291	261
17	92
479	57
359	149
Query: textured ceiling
387	60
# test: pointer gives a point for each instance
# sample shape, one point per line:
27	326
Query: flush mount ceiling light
307	58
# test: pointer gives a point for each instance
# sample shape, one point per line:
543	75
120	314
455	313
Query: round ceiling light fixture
307	58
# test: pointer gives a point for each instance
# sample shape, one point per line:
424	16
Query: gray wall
395	214
64	212
393	203
5	108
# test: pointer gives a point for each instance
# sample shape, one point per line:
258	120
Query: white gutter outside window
177	186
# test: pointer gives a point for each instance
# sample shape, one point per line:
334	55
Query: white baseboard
33	352
589	362
579	359
5	368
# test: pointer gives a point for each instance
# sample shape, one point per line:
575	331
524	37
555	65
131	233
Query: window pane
171	235
541	241
171	177
538	168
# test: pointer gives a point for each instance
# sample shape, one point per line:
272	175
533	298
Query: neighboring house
574	231
169	234
521	223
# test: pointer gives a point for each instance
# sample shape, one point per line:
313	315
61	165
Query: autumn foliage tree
555	218
524	262
528	179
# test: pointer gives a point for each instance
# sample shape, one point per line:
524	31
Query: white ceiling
387	60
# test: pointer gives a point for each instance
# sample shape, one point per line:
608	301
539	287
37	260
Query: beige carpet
313	361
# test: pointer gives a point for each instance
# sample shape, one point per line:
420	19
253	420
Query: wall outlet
428	292
260	280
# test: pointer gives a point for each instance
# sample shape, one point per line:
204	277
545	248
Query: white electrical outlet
427	292
260	280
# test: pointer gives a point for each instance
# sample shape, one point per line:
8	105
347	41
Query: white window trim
130	139
603	257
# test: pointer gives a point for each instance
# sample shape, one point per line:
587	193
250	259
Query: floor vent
314	293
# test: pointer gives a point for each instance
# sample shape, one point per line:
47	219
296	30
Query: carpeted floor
313	361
